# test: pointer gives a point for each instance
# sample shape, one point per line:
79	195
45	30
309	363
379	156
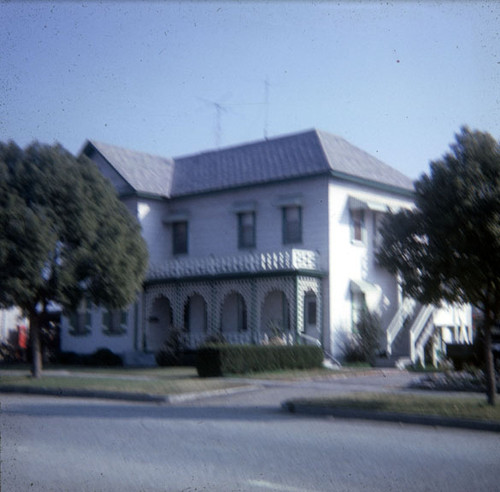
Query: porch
252	298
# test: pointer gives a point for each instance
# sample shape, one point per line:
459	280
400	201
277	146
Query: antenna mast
218	125
266	103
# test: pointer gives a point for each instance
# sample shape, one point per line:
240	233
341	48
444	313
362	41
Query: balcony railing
295	259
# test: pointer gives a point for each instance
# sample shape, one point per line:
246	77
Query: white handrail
416	341
405	310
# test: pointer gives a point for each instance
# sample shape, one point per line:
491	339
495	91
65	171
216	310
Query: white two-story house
271	237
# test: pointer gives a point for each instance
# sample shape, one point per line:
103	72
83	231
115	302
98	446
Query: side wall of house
351	260
94	334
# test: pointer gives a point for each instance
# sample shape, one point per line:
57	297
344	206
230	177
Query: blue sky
397	79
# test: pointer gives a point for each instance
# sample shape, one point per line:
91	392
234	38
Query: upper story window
292	224
246	230
179	237
358	229
377	231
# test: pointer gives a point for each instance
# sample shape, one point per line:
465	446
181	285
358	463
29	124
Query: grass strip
459	407
153	386
300	374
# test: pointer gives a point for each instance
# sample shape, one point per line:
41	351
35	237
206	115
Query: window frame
358	308
114	321
180	245
80	320
243	241
289	235
358	226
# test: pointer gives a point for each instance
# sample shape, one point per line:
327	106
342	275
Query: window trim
287	237
242	244
355	223
114	321
80	320
180	247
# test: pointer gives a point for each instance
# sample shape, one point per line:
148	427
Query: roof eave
144	195
373	184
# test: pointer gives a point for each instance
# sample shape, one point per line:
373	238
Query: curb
123	396
352	413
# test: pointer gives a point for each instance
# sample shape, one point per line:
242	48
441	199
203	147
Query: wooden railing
295	259
406	310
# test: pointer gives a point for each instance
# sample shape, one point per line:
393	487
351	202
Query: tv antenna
219	109
266	106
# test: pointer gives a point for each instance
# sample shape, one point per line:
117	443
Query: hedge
102	357
219	360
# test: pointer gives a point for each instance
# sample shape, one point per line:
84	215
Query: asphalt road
242	442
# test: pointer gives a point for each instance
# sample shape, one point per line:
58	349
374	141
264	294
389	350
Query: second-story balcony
286	260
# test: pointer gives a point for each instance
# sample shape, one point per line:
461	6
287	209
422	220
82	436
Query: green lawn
298	374
463	407
155	381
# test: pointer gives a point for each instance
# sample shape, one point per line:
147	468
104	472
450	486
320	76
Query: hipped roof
294	156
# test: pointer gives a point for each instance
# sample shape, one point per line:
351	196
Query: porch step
138	359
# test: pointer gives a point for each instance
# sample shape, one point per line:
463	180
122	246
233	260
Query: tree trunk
36	345
489	367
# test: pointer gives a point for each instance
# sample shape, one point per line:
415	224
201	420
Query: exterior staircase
407	334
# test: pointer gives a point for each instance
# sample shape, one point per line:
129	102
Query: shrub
101	357
351	350
218	360
214	339
370	331
71	359
171	351
104	357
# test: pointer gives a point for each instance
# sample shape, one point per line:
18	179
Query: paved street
241	442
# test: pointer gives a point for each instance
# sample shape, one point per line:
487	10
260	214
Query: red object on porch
22	337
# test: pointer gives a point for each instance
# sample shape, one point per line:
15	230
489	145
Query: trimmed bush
105	357
101	357
461	355
219	360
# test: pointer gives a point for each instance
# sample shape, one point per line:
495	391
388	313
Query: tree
64	235
448	247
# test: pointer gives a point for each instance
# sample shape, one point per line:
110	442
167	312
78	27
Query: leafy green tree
448	247
64	235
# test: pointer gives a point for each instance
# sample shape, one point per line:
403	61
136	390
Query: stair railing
406	309
421	322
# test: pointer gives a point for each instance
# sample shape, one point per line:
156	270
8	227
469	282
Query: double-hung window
292	224
358	306
81	319
246	230
358	230
114	321
179	237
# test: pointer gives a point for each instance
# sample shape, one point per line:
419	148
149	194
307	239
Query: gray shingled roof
145	173
299	155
